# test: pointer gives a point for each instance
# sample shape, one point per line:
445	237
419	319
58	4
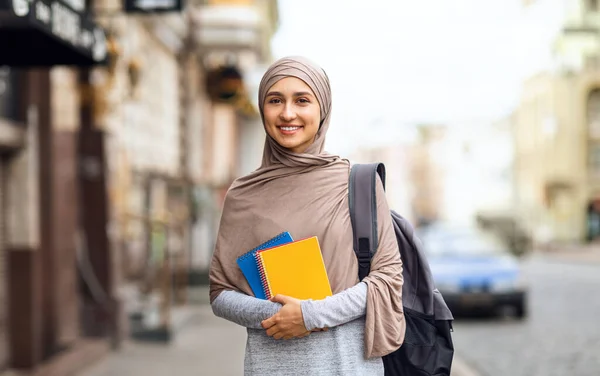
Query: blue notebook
247	263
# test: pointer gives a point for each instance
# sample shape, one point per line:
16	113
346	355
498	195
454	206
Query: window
593	115
594	158
592	62
8	93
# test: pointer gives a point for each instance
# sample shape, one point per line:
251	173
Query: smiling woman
302	189
292	114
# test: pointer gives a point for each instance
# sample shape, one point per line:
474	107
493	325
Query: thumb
282	299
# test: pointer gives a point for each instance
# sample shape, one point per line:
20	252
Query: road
561	336
208	346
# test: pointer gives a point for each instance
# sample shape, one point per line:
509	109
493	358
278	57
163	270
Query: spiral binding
252	253
263	276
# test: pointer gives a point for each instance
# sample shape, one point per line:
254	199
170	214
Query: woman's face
292	114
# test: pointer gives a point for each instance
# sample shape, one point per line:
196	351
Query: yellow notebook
294	269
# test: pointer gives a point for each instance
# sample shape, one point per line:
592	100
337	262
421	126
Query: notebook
249	267
295	269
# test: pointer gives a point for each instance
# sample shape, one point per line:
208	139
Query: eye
303	100
274	100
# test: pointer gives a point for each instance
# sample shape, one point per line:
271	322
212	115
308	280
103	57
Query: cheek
316	118
269	117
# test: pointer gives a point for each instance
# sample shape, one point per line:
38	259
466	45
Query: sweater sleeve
243	309
336	310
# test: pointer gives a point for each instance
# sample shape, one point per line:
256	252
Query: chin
288	145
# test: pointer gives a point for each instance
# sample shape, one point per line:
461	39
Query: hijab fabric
306	194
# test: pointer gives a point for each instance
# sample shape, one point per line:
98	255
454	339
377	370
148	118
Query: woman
302	189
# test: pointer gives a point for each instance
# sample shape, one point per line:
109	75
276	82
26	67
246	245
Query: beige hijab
306	194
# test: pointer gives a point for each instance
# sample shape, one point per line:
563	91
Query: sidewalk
207	346
580	254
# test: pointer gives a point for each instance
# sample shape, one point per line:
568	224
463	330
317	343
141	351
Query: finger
281	299
266	324
288	337
278	335
272	331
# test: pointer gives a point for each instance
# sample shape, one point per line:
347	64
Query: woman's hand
288	323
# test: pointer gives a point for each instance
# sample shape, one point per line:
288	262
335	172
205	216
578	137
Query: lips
289	129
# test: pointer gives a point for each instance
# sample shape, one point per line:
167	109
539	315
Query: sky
397	63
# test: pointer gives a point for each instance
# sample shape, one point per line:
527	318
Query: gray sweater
338	351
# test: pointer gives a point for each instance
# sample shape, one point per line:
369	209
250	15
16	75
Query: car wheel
520	310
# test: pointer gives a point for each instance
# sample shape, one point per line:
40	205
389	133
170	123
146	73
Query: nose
287	113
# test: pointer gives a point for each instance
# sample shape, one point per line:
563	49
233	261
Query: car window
476	245
461	244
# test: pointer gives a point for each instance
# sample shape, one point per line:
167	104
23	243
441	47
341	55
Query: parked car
509	230
474	271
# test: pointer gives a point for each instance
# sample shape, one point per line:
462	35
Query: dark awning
46	33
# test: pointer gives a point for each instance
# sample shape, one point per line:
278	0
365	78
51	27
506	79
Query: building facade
115	156
40	116
555	133
234	42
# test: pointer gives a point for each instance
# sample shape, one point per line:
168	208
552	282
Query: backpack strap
363	212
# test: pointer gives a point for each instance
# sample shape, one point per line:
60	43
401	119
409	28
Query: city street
208	346
126	127
561	337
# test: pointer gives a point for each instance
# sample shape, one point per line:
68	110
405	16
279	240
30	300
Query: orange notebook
295	269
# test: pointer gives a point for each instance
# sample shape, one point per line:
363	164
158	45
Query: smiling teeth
289	128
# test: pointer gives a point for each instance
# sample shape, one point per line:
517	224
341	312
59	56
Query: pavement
212	346
207	345
571	254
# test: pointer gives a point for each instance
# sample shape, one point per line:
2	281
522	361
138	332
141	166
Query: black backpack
427	349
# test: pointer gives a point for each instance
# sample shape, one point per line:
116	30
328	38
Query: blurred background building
531	173
556	137
118	145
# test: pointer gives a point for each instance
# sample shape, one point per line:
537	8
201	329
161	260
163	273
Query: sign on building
49	32
152	6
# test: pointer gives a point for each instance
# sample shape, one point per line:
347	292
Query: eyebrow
296	94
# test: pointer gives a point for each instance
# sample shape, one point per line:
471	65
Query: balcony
228	26
233	27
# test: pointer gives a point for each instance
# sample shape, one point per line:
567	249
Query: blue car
475	272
